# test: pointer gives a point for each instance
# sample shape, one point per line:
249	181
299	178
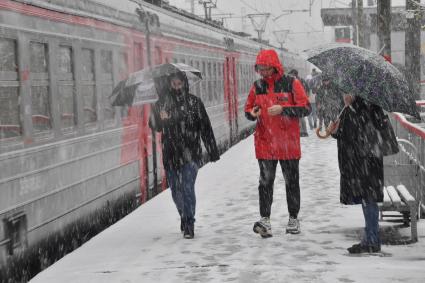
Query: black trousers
290	170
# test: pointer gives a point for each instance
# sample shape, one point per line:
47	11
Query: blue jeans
371	216
182	184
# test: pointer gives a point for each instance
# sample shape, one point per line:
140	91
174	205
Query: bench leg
413	223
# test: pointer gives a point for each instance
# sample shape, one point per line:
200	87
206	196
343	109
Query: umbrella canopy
364	73
146	85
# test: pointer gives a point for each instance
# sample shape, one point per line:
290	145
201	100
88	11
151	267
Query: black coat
360	164
182	133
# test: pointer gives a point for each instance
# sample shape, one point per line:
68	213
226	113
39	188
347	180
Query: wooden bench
398	198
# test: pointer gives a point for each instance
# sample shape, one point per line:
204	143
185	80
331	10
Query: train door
231	96
140	115
155	153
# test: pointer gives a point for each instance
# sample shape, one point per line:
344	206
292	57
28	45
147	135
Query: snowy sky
305	30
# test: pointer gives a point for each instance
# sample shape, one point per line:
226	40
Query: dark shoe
189	231
263	227
293	226
359	248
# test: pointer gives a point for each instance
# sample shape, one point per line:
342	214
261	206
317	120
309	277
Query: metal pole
360	24
384	27
413	45
354	21
192	6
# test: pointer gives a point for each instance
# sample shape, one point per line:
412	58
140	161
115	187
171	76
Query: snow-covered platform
147	246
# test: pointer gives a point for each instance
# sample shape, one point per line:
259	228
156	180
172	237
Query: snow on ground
147	246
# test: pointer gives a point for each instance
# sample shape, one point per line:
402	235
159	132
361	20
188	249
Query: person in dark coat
183	121
361	165
276	102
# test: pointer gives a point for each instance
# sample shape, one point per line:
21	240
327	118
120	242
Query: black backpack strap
260	87
284	84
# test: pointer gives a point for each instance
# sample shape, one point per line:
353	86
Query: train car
70	163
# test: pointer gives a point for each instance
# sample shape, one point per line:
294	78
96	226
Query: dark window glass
40	108
66	87
87	56
10	124
106	61
109	112
65	60
8	55
38	57
157	56
138	55
122	65
67	105
89	101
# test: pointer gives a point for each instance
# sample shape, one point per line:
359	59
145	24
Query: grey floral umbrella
364	73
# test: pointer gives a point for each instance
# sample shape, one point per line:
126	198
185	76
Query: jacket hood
269	57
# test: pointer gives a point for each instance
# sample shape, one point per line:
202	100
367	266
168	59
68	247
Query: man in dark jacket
183	121
276	101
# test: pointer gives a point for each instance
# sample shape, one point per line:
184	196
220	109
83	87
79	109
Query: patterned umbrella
364	73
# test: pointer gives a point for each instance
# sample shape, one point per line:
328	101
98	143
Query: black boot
359	248
181	225
189	231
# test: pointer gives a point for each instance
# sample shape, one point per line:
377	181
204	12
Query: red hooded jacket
277	137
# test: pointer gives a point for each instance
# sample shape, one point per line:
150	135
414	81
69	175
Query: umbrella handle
325	136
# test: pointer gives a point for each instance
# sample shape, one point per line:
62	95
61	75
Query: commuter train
70	163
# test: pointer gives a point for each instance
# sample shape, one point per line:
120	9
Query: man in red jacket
276	101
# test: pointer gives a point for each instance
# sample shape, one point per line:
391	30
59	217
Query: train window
106	64
107	83
40	108
138	55
89	102
66	87
198	85
209	89
87	64
41	117
8	55
10	123
203	82
215	81
38	64
122	65
209	69
88	86
157	56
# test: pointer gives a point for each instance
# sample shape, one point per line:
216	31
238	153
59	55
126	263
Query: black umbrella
146	85
364	73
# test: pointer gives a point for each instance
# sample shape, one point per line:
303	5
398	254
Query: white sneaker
263	227
293	226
